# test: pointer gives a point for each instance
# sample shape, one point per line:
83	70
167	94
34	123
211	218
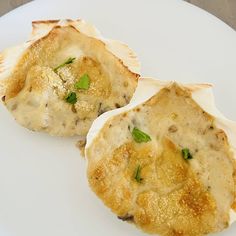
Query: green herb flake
68	61
71	98
83	83
186	154
137	174
139	136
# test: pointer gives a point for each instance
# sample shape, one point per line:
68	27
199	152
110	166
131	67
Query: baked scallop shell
38	78
166	161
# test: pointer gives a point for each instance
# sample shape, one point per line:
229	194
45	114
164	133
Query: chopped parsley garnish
186	154
68	61
139	136
137	174
71	98
83	83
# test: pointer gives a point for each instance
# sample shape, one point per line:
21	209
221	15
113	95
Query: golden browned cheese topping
100	85
151	183
169	198
36	93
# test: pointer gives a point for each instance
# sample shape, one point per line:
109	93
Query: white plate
43	186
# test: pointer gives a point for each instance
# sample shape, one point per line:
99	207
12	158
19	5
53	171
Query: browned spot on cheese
117	105
177	232
172	128
196	199
99	173
220	135
233	206
99	80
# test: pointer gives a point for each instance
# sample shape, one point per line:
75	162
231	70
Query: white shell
202	94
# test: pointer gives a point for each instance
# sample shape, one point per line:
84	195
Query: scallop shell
202	94
10	59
